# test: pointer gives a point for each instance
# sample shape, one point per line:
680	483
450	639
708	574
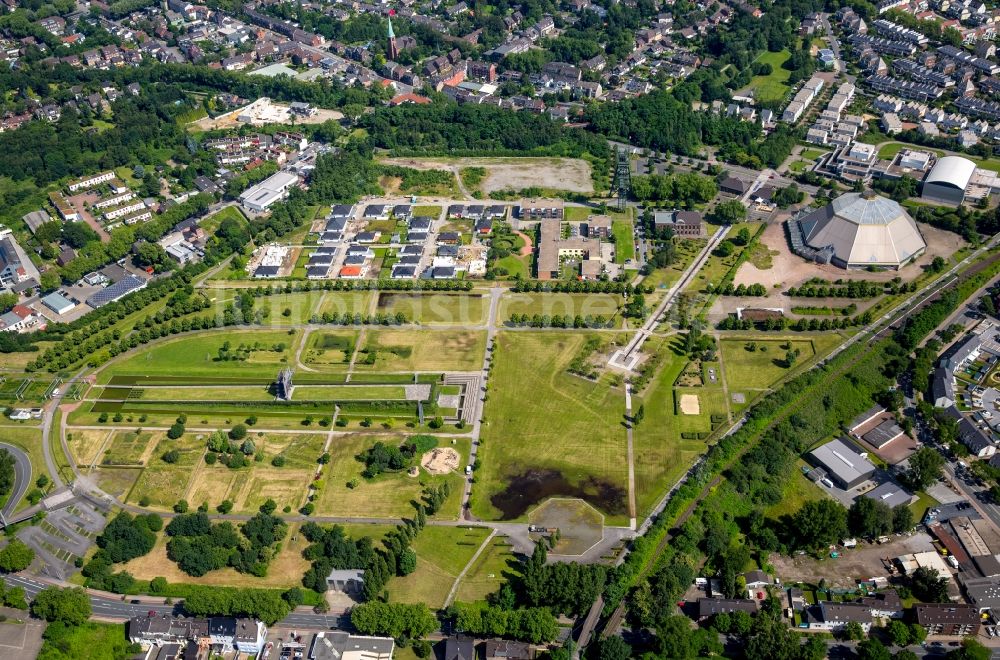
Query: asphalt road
122	610
22	478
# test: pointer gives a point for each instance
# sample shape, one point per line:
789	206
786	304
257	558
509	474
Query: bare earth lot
861	563
789	270
571	174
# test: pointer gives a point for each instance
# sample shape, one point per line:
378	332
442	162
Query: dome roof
863	230
952	171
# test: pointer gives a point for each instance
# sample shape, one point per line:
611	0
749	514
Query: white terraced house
90	181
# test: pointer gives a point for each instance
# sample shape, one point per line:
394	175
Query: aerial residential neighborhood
563	329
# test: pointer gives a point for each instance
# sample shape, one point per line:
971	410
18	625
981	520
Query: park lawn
116	481
492	568
349	393
624	240
516	265
130	447
388	495
442	553
211	223
197	354
427	584
329	347
190	446
659	452
775	86
290	308
436	308
424	350
758	370
284	571
98	641
577	213
449	548
86	444
339	302
299	451
812	154
166	414
538	416
162	484
551	304
30	440
799	166
196	393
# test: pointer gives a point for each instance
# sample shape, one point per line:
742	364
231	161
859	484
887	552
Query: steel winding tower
622	184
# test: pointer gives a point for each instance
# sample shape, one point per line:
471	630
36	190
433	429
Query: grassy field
349	392
212	222
539	417
516	265
797	491
660	454
85	445
387	496
442	553
759	369
104	641
775	86
428	210
550	304
329	348
130	448
494	565
425	350
30	440
436	308
197	355
162	485
346	301
812	154
624	240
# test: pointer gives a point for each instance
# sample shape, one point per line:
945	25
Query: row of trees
559	321
800	325
858	289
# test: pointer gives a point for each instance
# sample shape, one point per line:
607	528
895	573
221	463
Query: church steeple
393	49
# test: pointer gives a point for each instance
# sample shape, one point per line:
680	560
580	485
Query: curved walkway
22	477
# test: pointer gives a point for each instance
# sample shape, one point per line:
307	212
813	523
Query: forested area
457	130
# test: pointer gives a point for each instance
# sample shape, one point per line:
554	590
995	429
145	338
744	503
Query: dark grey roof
883	434
832	612
711	606
400	270
266	271
459	647
890	494
117	290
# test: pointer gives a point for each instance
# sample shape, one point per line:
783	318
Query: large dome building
857	230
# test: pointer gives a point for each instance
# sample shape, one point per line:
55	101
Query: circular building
857	230
948	180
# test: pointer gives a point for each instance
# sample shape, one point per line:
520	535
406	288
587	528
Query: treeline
756	289
685	189
532	624
360	285
800	325
858	289
578	286
6	474
559	321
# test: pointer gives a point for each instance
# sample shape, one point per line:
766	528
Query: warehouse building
948	180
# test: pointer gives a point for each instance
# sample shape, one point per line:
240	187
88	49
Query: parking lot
64	535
